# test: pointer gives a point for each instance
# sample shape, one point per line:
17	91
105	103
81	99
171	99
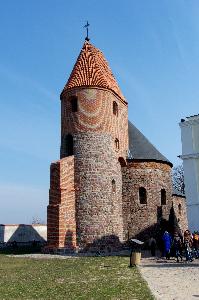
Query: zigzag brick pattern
91	69
95	114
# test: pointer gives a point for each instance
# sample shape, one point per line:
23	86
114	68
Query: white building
190	157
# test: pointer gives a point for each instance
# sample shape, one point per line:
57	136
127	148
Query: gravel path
169	280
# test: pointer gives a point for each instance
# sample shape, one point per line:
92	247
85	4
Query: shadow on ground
171	264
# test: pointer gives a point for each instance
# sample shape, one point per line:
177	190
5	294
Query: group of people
177	245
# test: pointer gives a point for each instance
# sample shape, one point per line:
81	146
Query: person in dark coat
188	243
196	245
152	245
177	244
167	244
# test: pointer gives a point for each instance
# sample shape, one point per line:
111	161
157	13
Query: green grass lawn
72	278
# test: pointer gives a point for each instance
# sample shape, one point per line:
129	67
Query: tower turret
94	144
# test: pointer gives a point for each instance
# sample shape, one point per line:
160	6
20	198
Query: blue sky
152	48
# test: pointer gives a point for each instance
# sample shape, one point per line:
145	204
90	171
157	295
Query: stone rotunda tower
110	183
85	202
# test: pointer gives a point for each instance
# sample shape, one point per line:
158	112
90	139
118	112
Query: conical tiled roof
140	147
91	69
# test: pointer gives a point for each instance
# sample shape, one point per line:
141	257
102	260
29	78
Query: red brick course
61	220
95	114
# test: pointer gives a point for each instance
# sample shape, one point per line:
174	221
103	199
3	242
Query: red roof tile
92	69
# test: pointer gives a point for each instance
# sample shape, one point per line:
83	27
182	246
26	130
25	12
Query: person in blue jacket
167	240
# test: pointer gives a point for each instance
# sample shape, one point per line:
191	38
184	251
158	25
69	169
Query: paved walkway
169	280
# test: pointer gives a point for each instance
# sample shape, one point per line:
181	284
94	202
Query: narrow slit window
113	186
163	197
74	104
115	108
117	146
142	195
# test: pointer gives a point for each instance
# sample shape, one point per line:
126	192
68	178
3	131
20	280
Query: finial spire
86	26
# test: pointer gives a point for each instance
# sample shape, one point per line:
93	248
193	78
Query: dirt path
169	280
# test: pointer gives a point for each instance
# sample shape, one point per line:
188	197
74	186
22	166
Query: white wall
190	156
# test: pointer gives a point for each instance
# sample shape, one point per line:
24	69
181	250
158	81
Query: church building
110	183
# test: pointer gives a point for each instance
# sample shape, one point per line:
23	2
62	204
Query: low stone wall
22	233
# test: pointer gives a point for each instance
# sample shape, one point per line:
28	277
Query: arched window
69	145
113	186
115	108
117	146
142	195
163	197
180	209
74	104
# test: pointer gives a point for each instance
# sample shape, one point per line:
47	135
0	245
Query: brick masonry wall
179	204
141	219
94	128
95	114
61	209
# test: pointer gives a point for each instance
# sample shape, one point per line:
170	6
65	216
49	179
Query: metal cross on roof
86	26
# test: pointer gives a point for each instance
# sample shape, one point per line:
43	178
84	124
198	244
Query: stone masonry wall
141	219
99	201
61	222
179	204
